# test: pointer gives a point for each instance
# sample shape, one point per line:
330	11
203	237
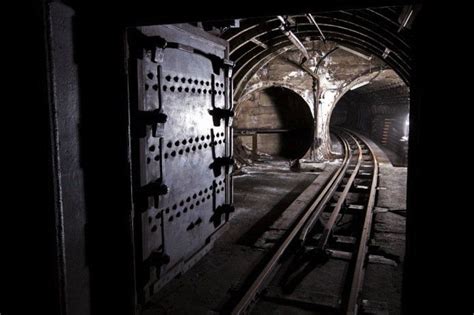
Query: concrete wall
66	102
90	128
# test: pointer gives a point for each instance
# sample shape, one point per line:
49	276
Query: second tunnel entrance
274	121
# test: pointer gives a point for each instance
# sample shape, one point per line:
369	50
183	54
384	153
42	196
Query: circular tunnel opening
379	111
274	121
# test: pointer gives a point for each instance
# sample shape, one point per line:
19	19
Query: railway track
335	226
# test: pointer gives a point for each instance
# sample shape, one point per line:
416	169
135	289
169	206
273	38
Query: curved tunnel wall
381	114
374	30
282	119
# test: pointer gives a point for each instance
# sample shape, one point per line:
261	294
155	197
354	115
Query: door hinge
154	189
224	209
153	44
158	258
220	162
150	118
221	113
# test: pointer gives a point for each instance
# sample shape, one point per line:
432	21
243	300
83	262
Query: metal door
181	110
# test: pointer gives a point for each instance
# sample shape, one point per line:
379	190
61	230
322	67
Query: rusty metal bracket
223	209
220	162
225	113
228	65
154	189
150	118
141	42
220	113
154	117
156	44
158	258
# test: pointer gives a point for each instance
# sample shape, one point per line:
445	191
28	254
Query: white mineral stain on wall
330	87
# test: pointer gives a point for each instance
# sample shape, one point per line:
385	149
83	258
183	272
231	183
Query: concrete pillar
327	100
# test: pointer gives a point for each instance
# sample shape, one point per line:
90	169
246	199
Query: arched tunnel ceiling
373	30
386	94
386	80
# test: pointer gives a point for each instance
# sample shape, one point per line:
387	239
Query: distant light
358	85
406	129
354	52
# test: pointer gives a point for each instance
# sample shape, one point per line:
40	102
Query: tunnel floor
261	193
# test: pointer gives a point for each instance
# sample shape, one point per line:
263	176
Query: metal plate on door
181	110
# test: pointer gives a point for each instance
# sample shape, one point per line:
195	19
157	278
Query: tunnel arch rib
373	30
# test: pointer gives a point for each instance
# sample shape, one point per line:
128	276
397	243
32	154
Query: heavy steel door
181	109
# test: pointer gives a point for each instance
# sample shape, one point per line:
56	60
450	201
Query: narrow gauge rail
312	233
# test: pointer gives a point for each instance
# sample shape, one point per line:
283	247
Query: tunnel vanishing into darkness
379	110
278	120
169	138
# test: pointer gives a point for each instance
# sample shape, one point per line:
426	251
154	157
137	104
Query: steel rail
306	222
315	216
342	198
360	265
257	284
